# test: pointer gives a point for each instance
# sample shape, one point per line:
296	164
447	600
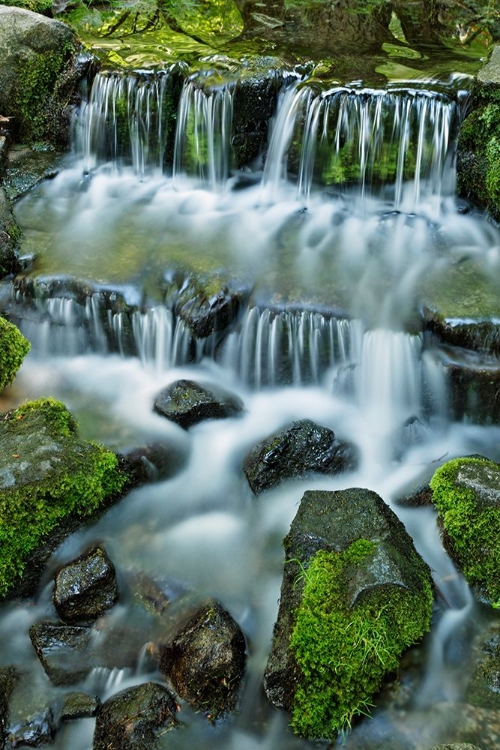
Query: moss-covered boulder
298	451
206	660
186	403
50	481
466	493
38	73
13	349
355	595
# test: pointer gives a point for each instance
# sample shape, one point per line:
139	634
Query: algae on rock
48	476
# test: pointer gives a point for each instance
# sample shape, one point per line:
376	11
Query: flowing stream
336	231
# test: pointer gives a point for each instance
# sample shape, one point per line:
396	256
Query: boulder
466	493
298	451
355	595
135	718
206	660
8	680
50	482
78	705
38	729
62	650
86	587
187	403
39	73
483	685
13	349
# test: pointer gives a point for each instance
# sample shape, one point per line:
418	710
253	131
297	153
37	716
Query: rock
416	498
355	595
298	451
135	718
457	746
39	729
86	587
63	651
50	482
13	349
206	660
483	686
79	706
187	403
155	462
28	166
10	235
8	679
466	493
37	55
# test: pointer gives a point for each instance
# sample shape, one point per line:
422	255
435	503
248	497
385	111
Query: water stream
335	231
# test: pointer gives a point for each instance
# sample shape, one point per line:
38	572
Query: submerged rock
50	482
206	660
135	719
8	680
38	729
298	451
155	462
466	493
355	595
187	403
63	651
86	587
79	705
483	686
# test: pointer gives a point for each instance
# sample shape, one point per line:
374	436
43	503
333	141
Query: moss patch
344	652
13	349
467	496
46	475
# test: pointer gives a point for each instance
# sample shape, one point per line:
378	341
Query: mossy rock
483	687
10	236
50	481
466	493
355	596
13	349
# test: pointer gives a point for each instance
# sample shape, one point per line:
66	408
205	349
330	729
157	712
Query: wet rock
206	660
37	55
187	403
86	587
13	349
483	686
135	719
466	493
155	462
63	651
79	706
10	236
355	595
420	496
51	481
39	729
298	451
457	746
8	679
254	105
26	167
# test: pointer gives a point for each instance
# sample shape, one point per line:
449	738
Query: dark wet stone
79	706
63	651
457	746
8	680
206	660
135	719
187	403
39	729
416	498
298	451
473	384
254	106
86	587
26	167
155	462
483	687
332	522
10	236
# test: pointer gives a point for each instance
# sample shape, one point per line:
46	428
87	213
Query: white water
364	249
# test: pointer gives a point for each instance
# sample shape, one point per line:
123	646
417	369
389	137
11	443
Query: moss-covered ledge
478	158
50	482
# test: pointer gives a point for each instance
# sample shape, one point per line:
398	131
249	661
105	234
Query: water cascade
335	231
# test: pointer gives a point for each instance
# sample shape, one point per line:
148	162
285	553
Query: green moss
479	145
46	475
343	653
37	6
13	349
464	493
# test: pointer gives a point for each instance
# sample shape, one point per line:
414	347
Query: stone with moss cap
355	595
50	481
13	349
466	493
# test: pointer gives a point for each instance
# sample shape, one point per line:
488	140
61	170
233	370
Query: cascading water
353	207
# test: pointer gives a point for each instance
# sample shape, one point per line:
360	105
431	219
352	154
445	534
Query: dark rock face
379	582
9	237
303	449
135	718
79	706
86	587
62	650
473	384
8	679
39	729
206	660
188	403
483	688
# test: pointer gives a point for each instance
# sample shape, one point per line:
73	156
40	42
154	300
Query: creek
337	232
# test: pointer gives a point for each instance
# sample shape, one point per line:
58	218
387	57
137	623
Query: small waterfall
161	340
126	121
203	134
368	137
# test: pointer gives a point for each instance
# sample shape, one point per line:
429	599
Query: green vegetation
342	652
465	493
37	6
13	349
47	475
